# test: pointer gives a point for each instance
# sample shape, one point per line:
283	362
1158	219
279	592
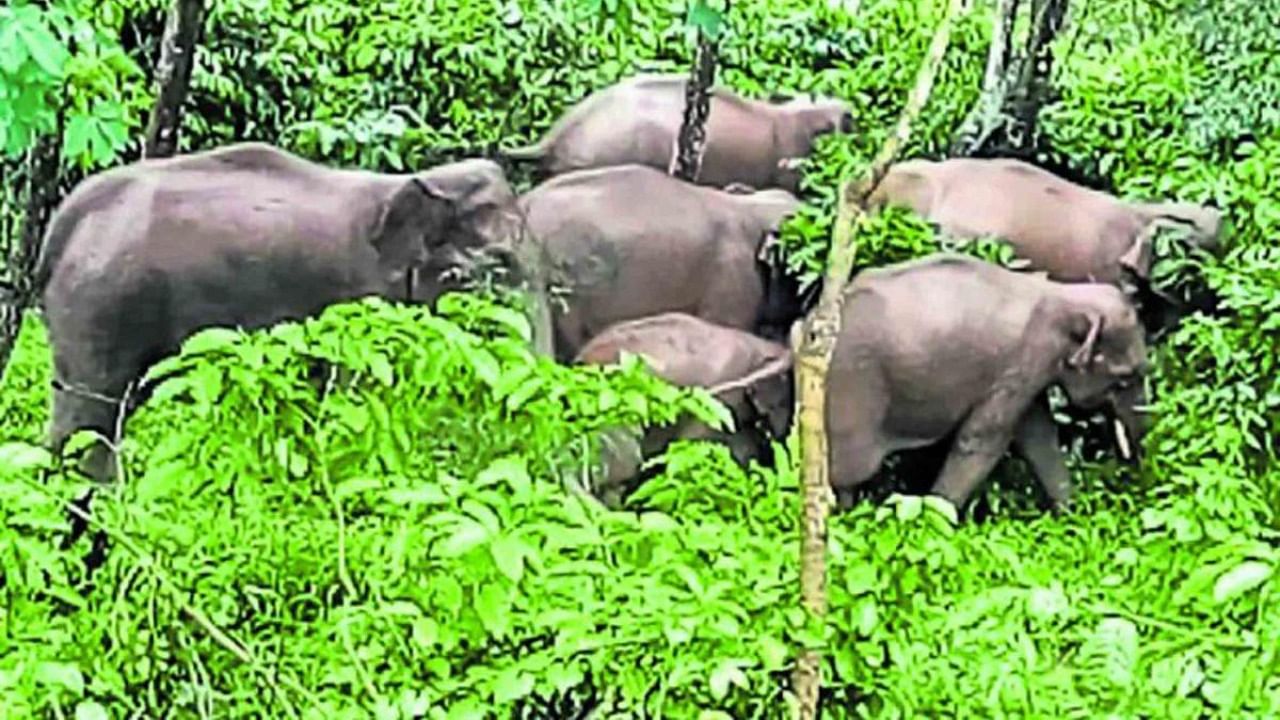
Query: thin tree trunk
1034	84
173	76
986	113
813	345
20	258
691	142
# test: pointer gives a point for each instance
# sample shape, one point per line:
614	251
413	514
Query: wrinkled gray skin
636	120
139	257
630	241
749	374
1074	233
951	343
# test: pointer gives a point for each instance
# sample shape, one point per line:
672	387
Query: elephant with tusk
949	344
1071	232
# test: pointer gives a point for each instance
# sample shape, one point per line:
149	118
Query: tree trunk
173	75
813	343
1034	87
987	112
691	142
17	293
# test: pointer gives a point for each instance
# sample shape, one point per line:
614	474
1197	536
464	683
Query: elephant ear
477	193
407	218
773	400
1138	258
1084	328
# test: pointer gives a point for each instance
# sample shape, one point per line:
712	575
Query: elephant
637	119
952	345
139	257
1074	233
629	241
749	374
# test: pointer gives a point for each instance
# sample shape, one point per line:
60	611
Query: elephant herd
139	257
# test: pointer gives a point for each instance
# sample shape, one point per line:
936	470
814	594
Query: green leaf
706	19
1240	579
508	554
727	673
419	495
773	653
20	457
211	339
512	684
44	48
655	521
381	370
469	535
90	710
64	675
494	608
908	507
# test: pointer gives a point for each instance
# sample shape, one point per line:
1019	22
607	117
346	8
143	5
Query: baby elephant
749	374
951	343
636	120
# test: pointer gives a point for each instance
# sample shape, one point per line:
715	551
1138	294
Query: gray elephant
749	374
952	344
636	120
1074	233
630	241
139	257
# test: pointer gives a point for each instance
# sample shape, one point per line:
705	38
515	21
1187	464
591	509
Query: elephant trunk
1207	221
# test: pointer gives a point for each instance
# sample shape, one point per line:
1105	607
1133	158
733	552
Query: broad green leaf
61	674
512	684
706	18
494	608
773	653
90	710
728	672
20	457
1241	579
468	536
44	47
508	554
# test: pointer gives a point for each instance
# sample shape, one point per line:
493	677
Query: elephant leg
81	409
979	445
1037	441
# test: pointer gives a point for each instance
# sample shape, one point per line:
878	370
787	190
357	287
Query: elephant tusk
1122	439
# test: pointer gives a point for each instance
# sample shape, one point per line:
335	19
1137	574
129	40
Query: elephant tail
778	365
536	151
1207	221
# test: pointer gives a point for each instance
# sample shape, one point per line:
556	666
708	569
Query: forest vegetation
408	544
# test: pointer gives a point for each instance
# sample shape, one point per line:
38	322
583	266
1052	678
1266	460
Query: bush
370	506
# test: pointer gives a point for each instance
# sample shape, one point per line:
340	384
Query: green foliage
96	83
372	505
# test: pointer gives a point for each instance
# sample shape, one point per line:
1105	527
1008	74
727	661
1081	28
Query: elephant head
769	210
801	121
1106	353
440	223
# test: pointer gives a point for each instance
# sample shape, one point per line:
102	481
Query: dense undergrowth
294	542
